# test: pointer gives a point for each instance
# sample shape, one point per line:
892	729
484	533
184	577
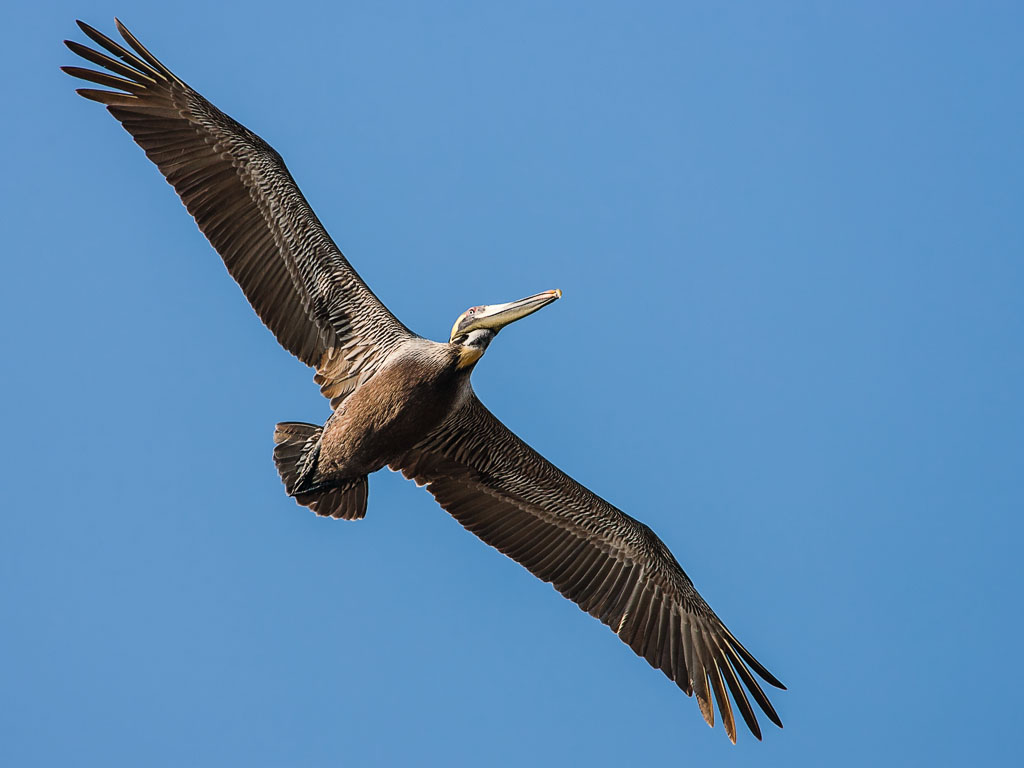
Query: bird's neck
467	356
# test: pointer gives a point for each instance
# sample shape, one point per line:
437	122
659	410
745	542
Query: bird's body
406	402
416	388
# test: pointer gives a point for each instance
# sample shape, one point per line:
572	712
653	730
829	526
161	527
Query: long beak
497	316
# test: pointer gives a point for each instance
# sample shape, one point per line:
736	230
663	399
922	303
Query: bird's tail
296	451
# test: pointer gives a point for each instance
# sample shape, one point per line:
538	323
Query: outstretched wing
246	203
611	565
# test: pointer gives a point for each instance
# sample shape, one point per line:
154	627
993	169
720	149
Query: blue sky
791	245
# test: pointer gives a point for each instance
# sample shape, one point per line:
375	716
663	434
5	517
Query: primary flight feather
403	401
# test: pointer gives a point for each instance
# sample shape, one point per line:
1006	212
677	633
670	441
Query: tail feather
344	501
296	452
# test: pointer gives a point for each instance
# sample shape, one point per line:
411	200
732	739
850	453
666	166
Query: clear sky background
791	241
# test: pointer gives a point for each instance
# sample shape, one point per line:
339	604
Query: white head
476	326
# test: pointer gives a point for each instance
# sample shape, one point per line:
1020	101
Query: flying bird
405	402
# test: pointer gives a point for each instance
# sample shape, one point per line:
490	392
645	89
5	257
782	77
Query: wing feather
612	566
247	204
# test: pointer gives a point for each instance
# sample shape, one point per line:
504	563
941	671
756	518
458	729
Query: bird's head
476	326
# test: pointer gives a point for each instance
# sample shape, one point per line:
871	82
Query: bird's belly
382	419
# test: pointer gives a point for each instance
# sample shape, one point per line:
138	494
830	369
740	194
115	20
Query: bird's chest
386	416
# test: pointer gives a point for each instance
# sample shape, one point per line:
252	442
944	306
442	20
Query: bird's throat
468	356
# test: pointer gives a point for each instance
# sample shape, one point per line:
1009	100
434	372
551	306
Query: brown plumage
402	401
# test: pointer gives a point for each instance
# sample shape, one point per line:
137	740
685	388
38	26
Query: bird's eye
472	311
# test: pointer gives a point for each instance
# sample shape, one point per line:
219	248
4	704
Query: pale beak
497	316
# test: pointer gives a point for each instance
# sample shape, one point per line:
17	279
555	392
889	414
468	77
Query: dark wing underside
246	203
611	565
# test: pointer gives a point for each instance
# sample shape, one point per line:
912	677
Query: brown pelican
405	402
